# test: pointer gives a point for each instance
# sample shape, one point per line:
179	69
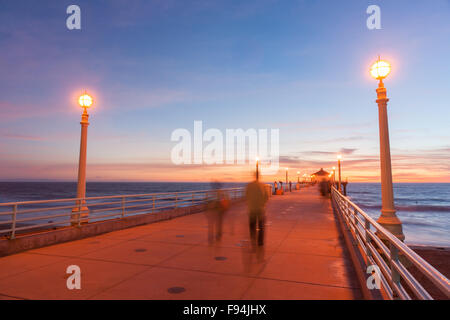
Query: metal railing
390	254
29	216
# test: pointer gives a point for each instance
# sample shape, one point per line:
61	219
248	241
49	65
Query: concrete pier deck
305	258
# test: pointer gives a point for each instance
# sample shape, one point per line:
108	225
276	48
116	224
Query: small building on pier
321	175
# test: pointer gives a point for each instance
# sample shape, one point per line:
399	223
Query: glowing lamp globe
380	69
85	101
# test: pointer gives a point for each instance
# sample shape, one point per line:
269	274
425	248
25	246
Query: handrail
380	247
111	197
66	212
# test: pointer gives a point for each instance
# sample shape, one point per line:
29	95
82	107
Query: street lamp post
287	169
388	218
339	157
257	169
298	176
81	212
334	176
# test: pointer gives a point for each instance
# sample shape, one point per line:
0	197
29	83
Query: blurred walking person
218	206
256	200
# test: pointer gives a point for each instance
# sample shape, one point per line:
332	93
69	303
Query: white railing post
79	212
395	276
14	218
153	207
123	206
367	236
347	209
355	221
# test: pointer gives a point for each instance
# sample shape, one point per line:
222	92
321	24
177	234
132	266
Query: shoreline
427	246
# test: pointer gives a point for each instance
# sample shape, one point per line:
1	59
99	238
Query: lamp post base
392	223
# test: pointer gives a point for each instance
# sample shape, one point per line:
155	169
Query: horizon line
157	181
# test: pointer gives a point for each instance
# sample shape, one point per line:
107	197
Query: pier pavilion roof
321	172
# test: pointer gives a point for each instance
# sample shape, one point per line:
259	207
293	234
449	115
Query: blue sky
154	66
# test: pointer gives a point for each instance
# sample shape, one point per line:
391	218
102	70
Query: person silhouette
218	206
257	197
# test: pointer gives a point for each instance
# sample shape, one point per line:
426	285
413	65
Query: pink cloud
23	137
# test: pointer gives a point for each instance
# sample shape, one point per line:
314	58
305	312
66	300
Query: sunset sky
155	66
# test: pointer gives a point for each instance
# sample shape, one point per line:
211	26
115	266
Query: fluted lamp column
339	157
388	218
257	169
287	169
80	213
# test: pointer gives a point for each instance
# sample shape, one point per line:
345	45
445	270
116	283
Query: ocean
424	208
31	191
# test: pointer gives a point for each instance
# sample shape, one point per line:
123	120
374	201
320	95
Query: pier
305	258
219	155
309	253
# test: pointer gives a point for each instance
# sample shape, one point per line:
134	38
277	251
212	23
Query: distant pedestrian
256	200
290	186
218	206
275	187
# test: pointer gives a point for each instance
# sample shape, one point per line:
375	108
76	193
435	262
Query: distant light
257	159
334	168
339	157
85	101
380	69
298	172
287	169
